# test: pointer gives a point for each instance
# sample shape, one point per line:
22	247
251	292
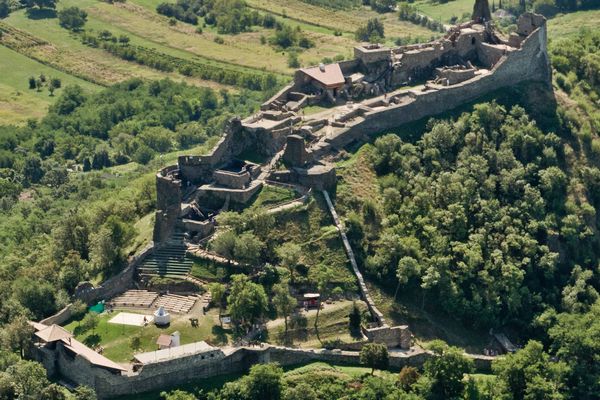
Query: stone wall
232	179
181	370
60	317
372	53
118	283
529	63
391	336
202	228
239	196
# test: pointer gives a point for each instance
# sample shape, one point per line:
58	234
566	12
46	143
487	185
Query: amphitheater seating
176	304
169	261
135	298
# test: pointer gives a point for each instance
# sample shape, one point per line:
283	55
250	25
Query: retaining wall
118	283
60	317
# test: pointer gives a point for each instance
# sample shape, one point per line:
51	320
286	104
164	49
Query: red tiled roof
53	333
164	340
329	75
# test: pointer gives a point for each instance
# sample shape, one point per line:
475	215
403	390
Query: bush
72	18
372	31
545	7
293	61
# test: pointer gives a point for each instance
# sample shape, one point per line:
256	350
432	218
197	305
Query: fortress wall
280	96
168	188
528	63
60	317
490	54
118	283
349	66
163	375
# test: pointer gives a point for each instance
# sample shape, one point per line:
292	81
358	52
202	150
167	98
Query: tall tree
217	293
284	302
374	355
446	371
247	302
530	374
289	255
39	3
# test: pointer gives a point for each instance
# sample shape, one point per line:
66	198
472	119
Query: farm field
66	52
19	103
344	20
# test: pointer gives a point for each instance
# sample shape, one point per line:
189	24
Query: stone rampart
118	283
60	317
529	63
165	374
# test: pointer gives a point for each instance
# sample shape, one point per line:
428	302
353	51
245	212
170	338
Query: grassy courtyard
114	338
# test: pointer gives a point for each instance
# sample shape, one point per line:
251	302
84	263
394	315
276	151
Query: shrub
72	18
293	61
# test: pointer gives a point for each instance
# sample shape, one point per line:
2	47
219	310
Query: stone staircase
168	261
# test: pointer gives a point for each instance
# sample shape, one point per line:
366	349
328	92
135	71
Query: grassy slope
333	325
312	228
245	48
569	24
17	102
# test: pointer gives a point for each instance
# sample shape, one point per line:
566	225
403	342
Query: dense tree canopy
477	214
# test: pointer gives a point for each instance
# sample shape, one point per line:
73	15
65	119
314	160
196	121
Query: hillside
475	224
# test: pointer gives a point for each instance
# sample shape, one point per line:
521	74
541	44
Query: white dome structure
161	317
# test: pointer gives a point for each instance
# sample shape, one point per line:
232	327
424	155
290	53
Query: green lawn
271	195
114	338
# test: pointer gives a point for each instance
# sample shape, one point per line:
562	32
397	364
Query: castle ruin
380	89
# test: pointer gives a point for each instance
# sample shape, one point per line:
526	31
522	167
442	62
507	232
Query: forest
61	220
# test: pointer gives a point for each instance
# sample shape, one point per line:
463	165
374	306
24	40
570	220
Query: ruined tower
481	11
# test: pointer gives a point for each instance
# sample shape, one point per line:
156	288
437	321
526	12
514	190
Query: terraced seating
170	261
134	298
176	304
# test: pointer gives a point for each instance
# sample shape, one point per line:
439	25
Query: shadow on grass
41	13
92	341
220	335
